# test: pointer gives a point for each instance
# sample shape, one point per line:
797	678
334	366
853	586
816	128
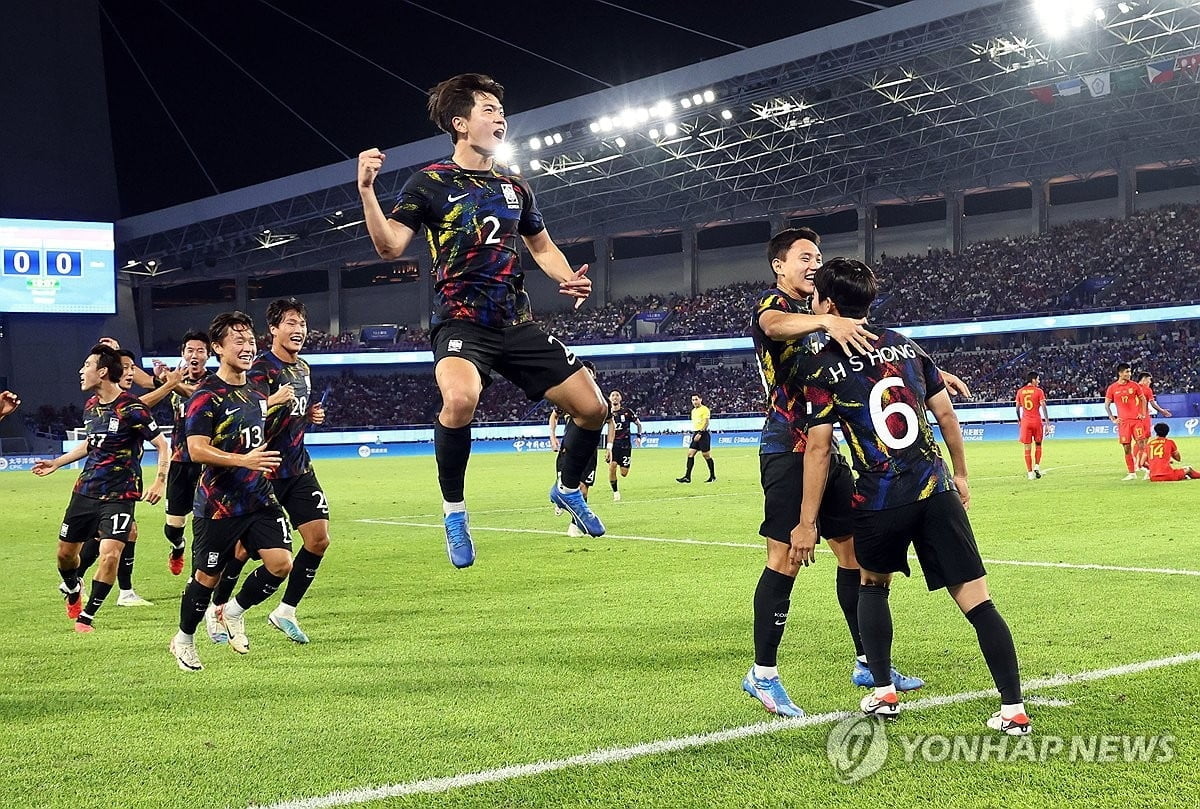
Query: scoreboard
51	267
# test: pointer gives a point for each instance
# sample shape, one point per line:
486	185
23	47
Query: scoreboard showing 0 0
57	267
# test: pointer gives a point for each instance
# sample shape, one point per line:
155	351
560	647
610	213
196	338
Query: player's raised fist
370	162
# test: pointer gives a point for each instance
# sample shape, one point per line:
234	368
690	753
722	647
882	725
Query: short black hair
591	366
225	322
1140	375
125	352
194	334
1123	366
455	97
281	307
849	283
107	359
782	241
1032	376
1161	429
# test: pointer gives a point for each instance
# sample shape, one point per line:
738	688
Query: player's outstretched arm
943	410
816	471
9	402
390	237
957	387
163	448
77	453
170	380
849	333
572	283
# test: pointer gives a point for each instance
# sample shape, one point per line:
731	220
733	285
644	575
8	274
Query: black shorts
622	452
89	518
701	441
302	498
587	478
782	476
937	527
525	354
182	478
215	540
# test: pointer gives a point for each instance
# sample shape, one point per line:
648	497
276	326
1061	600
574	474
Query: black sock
996	643
579	447
88	555
875	627
125	566
191	609
95	599
690	463
174	535
772	598
712	469
452	447
304	568
847	596
70	577
613	483
258	587
229	580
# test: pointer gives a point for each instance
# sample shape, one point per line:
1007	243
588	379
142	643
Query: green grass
552	647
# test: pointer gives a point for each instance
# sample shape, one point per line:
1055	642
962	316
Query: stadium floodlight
697	99
620	141
1058	17
548	141
515	168
709	96
727	115
505	152
606	124
558	137
685	102
671	129
594	126
535	143
535	165
653	134
662	109
1124	8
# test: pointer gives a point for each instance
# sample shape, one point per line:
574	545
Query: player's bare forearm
201	450
389	237
939	404
76	453
816	471
152	398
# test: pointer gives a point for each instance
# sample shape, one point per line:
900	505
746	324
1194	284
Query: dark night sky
241	135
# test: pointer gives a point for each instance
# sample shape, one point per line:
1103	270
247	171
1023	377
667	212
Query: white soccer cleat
235	625
128	598
1031	476
1016	725
212	625
1130	476
186	656
573	531
888	705
616	497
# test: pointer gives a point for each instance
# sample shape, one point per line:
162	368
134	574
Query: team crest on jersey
454	345
510	195
62	532
114	424
213	558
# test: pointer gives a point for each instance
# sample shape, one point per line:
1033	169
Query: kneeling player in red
1161	451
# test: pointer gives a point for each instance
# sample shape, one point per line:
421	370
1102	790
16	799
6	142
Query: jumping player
1033	416
476	215
588	477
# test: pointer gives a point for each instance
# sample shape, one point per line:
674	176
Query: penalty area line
1162	571
616	755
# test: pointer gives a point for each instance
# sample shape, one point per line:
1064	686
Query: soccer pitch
563	672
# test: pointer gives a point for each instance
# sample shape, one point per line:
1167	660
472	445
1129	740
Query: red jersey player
1033	415
1142	434
1161	451
1127	396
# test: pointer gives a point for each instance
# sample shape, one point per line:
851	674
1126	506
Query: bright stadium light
620	141
558	137
535	143
504	152
709	96
535	165
685	102
594	126
653	134
697	99
515	168
1058	17
547	141
670	129
727	115
606	124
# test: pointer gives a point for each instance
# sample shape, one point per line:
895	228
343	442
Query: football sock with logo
691	462
996	643
174	535
875	627
70	577
579	447
258	588
96	598
712	468
847	596
125	566
772	599
229	580
191	609
452	447
88	555
304	569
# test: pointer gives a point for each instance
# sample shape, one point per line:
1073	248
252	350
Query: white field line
613	755
536	509
1164	571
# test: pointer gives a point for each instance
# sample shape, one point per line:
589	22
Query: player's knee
67	554
872	579
317	544
624	471
133	533
206	579
279	567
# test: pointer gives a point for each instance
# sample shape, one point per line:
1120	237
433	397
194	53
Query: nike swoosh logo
453	198
781	623
231	412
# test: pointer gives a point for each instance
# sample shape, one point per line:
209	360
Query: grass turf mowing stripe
615	755
1165	571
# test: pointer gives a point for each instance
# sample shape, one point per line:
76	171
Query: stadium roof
905	103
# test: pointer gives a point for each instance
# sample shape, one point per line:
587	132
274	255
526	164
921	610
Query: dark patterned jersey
232	416
879	398
285	424
473	222
784	428
179	452
622	417
116	431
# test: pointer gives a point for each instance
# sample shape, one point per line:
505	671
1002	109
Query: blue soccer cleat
769	691
459	546
861	676
577	507
288	625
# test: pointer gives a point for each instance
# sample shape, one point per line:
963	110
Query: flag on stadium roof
1098	84
1161	72
1070	87
1043	94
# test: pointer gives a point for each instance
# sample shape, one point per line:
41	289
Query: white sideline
613	755
1165	571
